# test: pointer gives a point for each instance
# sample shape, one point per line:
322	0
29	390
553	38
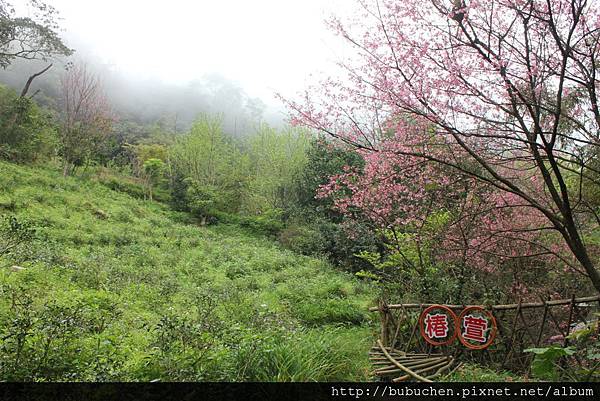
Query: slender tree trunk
30	80
575	243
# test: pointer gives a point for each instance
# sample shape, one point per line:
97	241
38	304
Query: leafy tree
202	200
140	153
30	38
210	160
504	92
314	226
324	160
86	117
153	169
15	234
27	132
277	158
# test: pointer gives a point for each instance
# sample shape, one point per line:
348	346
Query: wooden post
398	324
512	334
539	336
571	307
383	312
415	329
525	326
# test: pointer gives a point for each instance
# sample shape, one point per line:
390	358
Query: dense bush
15	237
27	133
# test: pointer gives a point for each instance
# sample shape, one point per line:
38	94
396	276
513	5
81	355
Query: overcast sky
265	45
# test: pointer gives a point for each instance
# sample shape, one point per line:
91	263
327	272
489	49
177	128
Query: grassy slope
117	288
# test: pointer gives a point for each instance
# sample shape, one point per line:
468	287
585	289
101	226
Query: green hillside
117	288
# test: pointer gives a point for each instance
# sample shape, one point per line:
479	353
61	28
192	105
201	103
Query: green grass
117	288
469	372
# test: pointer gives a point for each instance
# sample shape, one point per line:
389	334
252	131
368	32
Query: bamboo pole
527	305
410	372
438	366
417	369
541	332
413	365
526	326
400	317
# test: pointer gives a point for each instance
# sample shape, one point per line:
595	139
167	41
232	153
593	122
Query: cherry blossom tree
87	117
501	91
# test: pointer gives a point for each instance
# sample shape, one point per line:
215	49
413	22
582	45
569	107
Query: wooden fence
520	326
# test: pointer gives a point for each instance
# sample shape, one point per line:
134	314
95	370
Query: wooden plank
383	314
400	318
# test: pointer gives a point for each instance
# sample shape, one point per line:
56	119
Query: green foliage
201	199
139	154
153	170
268	223
476	373
178	187
153	167
303	239
330	311
213	166
15	235
129	187
121	289
132	186
313	227
266	183
552	363
27	133
29	38
310	356
544	365
324	159
276	159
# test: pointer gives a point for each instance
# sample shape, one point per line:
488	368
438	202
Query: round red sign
438	325
476	327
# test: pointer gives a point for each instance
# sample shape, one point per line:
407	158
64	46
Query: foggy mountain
147	100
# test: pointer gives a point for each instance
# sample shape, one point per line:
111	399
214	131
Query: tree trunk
66	169
31	78
580	252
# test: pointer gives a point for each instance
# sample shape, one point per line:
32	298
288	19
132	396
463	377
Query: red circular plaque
451	325
478	330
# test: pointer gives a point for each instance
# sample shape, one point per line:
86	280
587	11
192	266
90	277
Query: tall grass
118	288
307	355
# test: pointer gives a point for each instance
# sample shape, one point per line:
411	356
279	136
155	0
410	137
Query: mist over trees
148	101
